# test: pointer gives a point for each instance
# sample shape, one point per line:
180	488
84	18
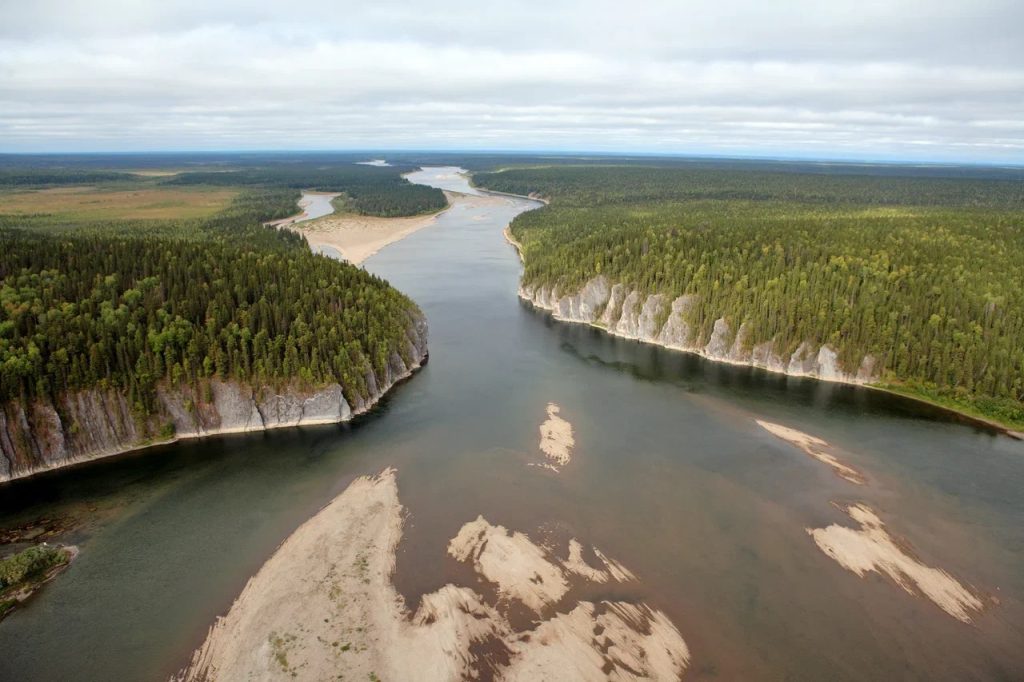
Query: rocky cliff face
655	319
96	423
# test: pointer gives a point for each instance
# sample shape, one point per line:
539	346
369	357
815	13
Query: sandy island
872	548
556	439
324	607
815	447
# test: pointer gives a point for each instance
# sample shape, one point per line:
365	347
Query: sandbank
815	447
556	439
872	548
324	607
357	237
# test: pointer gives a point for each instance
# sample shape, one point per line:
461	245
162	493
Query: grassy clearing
104	203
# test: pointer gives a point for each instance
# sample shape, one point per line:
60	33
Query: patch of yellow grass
144	203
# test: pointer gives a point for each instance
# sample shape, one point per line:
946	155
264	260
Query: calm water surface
315	205
671	476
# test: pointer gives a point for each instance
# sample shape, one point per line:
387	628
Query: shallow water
670	475
315	205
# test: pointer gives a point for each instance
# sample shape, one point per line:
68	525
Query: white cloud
939	79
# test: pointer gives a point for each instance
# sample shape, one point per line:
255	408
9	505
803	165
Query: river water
315	205
671	475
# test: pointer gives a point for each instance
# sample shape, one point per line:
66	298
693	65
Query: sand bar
872	548
607	641
324	606
357	237
815	447
556	438
520	568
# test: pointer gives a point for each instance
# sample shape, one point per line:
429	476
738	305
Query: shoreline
301	216
18	595
358	237
958	415
220	432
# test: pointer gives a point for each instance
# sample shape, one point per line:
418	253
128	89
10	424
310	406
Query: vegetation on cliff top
127	304
922	273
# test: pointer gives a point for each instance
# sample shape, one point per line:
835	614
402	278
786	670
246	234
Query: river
671	475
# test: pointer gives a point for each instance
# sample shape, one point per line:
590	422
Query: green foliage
30	564
922	273
86	310
129	305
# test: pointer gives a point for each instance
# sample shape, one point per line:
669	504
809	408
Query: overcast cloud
928	80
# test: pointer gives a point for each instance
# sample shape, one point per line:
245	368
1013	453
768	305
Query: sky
921	80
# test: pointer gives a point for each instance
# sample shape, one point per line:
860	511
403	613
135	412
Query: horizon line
898	161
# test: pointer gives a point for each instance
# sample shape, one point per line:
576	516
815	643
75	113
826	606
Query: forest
923	273
369	190
129	304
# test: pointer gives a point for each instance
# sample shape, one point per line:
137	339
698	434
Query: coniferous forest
923	273
129	304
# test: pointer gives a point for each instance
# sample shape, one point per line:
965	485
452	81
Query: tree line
369	190
922	273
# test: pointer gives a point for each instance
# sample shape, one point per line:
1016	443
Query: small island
23	573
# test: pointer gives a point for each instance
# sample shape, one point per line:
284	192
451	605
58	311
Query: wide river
671	475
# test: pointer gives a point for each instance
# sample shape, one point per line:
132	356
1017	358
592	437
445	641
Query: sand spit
617	571
603	641
323	607
613	570
527	571
872	548
357	237
606	641
815	447
324	604
577	565
518	567
556	440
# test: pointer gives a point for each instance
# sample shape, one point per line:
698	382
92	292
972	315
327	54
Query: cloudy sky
922	79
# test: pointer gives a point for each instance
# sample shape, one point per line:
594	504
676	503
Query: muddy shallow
670	474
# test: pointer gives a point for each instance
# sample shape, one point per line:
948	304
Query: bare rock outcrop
88	424
629	313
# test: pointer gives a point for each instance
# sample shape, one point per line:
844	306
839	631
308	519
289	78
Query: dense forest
922	273
129	304
83	310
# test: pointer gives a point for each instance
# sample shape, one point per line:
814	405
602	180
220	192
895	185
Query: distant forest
924	273
129	304
369	190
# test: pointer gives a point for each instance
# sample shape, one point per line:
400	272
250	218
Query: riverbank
91	425
673	334
357	237
966	414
